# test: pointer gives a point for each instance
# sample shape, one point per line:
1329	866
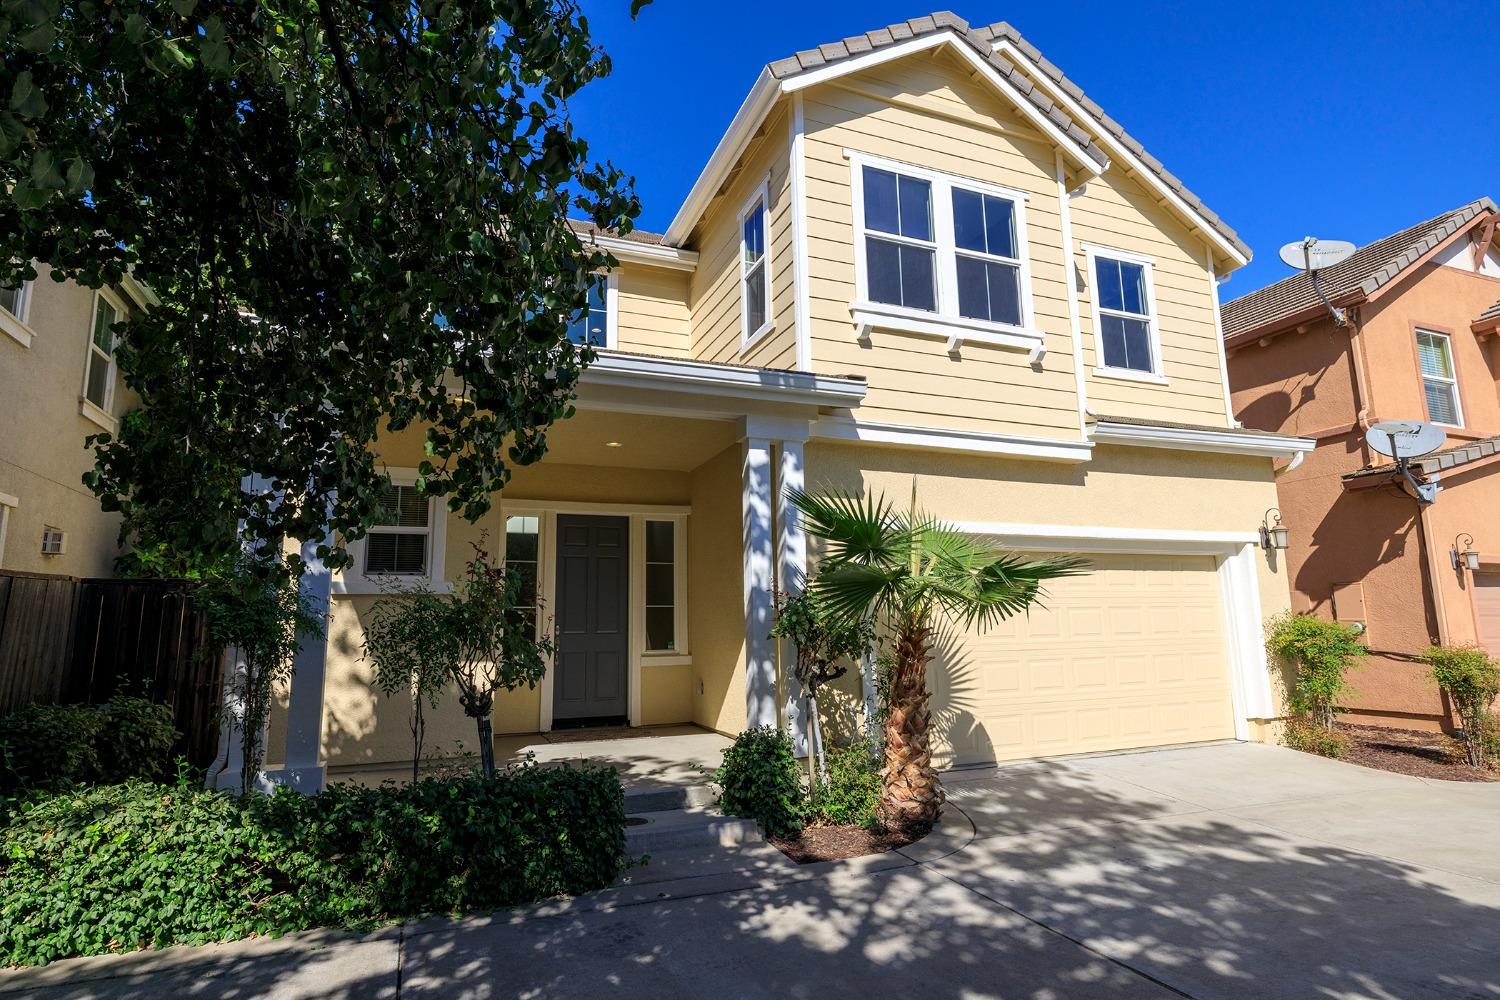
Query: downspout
1361	380
1291	466
1433	568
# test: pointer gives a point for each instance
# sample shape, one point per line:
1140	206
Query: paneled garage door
1130	655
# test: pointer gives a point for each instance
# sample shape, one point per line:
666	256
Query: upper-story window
13	300
99	371
591	325
936	253
1124	314
755	275
1439	378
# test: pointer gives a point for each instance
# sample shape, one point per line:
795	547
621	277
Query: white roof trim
768	90
681	375
655	254
1117	150
1224	442
842	428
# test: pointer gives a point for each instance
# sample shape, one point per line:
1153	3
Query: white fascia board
771	385
732	143
653	254
1117	149
1096	538
840	428
1184	439
142	295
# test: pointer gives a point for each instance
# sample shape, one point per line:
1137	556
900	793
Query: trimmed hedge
759	780
54	746
137	865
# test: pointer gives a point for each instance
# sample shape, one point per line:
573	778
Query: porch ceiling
644	441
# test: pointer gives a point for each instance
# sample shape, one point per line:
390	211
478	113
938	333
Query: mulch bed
1406	751
834	843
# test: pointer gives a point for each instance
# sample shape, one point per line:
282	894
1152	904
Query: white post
760	651
303	768
791	563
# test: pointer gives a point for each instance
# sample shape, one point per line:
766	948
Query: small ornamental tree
826	643
482	638
1471	680
1324	651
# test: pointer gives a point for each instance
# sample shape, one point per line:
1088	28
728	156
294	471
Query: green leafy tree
909	570
353	213
483	638
1324	652
825	642
1471	680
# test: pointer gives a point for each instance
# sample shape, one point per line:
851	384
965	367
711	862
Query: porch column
760	650
303	768
791	565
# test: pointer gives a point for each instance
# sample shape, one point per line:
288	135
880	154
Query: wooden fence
75	641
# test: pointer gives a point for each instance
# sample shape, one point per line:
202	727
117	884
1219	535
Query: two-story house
1419	344
919	257
59	383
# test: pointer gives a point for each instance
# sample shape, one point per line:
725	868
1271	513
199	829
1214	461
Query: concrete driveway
1215	871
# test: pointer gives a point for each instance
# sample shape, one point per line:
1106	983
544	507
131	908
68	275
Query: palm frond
854	590
858	529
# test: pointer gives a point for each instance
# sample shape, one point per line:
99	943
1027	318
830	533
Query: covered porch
654	537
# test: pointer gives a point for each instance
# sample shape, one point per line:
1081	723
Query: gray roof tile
1438	461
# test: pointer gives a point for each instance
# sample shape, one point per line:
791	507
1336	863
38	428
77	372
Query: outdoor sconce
1272	534
1463	554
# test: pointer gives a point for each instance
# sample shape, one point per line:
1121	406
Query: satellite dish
1309	254
1405	439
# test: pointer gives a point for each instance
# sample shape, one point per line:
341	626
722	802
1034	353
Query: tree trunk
486	746
911	795
418	733
812	748
815	736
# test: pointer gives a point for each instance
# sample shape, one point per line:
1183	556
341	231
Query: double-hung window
99	373
1125	336
1439	378
940	255
755	273
399	543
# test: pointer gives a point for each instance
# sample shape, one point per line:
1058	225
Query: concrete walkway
1220	871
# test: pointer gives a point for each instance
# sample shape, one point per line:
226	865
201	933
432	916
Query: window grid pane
96	389
522	549
755	297
661	586
104	319
396	553
1433	350
401	506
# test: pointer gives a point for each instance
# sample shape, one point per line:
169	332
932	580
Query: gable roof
1363	273
848	55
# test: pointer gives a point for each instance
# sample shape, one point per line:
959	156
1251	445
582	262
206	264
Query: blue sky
1340	120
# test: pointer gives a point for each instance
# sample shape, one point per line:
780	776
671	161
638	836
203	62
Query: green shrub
852	793
1324	651
1313	738
1471	680
53	746
119	867
759	779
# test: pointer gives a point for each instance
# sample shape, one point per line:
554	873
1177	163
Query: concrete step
674	829
665	797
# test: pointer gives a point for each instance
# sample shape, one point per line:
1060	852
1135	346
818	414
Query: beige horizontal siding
653	311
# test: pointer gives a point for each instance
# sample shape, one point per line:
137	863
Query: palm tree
908	569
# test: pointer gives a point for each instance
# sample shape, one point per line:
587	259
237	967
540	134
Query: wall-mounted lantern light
1272	534
1463	554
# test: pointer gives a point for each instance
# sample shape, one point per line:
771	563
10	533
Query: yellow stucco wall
42	432
716	609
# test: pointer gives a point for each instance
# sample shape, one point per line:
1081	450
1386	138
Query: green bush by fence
54	746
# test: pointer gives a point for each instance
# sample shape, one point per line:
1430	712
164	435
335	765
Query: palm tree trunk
911	796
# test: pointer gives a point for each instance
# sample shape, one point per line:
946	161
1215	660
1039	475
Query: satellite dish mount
1405	440
1311	255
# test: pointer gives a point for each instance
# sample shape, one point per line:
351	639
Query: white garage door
1130	655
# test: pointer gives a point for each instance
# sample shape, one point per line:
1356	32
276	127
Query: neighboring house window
1439	378
99	377
755	278
591	326
522	555
1124	314
398	543
661	586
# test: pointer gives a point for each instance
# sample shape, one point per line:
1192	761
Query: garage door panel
1131	655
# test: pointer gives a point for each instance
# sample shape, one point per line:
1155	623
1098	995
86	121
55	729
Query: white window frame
62	540
16	323
353	579
101	415
8	503
946	322
748	337
1452	383
1157	374
611	311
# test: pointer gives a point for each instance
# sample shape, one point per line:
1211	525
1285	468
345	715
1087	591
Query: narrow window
13	301
591	325
522	552
398	541
99	379
661	586
755	284
1124	314
1439	378
900	262
989	272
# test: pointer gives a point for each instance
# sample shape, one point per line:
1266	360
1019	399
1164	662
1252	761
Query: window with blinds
398	542
1439	378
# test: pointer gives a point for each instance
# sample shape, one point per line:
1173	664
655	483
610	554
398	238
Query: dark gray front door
592	664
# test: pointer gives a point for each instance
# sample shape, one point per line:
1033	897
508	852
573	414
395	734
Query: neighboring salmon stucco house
1420	344
918	255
